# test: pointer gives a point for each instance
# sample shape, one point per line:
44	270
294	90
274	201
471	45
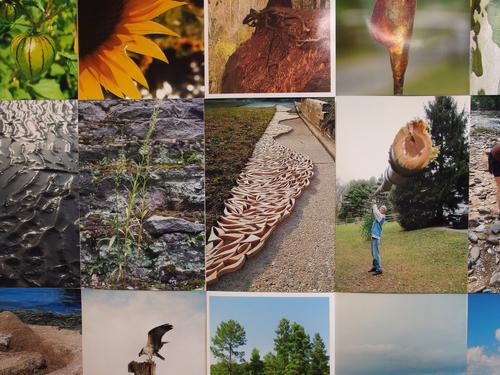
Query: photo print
142	198
270	46
143	332
270	212
40	331
402	193
39	194
403	47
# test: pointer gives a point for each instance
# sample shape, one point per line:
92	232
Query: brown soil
273	60
60	348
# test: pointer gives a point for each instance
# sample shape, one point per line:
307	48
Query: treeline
483	102
295	353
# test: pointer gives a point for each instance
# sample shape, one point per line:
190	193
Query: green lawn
431	260
231	134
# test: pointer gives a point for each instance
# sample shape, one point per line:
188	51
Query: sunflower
107	29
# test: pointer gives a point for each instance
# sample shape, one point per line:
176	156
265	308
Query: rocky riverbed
167	244
484	225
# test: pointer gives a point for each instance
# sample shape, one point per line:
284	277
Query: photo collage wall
250	187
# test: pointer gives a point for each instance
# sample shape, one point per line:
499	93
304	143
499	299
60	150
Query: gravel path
299	255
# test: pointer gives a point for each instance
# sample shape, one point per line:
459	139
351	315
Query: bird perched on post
154	343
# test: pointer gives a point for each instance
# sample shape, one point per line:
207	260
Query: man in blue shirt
376	233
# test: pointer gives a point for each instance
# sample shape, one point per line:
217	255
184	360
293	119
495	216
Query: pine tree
229	336
319	359
282	345
270	365
255	366
444	183
300	348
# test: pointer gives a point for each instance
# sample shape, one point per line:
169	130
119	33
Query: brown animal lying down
288	52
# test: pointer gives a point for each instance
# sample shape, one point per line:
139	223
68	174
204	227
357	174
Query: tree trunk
142	368
279	3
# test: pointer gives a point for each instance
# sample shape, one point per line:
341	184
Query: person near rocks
376	234
494	169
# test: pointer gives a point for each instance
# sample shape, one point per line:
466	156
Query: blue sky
484	320
483	341
260	317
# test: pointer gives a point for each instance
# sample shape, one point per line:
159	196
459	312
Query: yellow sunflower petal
137	11
144	46
123	80
128	66
105	76
143	28
89	87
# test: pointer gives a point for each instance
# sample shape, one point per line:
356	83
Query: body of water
485	119
61	301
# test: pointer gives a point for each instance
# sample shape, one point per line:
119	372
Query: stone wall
170	253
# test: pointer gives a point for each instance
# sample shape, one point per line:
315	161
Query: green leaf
5	94
70	56
47	89
72	67
57	70
22	94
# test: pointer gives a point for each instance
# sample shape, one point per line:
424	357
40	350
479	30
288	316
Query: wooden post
142	368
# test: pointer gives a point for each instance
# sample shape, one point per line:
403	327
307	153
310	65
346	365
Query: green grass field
431	260
231	134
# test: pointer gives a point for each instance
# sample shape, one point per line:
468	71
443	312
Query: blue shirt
377	224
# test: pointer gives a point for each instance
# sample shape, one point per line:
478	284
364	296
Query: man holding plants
376	235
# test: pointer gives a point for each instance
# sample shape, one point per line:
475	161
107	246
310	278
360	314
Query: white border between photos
331	323
333	87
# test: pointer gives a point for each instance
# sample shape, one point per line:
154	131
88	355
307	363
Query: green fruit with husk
33	54
9	13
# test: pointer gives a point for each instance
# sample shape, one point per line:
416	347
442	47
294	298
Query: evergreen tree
356	198
255	366
300	349
282	345
319	359
229	336
444	183
271	365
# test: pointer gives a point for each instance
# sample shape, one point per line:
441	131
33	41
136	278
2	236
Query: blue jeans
377	262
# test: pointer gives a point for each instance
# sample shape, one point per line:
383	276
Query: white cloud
480	363
497	334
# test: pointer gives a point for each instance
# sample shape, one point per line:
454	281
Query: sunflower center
97	20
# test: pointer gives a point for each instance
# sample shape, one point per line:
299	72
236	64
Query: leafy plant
41	32
128	230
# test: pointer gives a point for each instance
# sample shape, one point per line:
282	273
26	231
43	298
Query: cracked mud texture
484	225
171	255
39	194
